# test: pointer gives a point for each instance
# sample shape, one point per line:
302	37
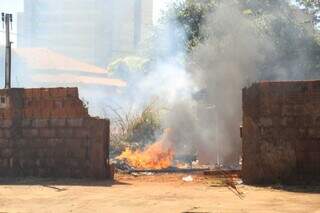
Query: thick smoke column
221	67
237	52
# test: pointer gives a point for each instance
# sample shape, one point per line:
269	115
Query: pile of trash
122	165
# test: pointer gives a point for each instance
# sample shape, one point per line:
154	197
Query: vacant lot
160	193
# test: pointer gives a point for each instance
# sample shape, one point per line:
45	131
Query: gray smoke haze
220	67
240	49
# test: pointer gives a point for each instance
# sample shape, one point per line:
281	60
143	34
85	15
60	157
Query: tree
190	15
289	29
312	4
313	7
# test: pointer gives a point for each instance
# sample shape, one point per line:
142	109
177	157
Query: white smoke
239	49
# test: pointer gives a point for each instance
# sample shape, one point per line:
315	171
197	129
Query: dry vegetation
134	129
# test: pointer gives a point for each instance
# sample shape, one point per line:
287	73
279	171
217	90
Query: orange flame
156	156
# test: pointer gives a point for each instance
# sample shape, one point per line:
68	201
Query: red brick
6	153
30	133
293	134
58	122
75	122
39	123
47	132
4	142
81	133
5	123
28	93
65	133
44	93
72	92
5	133
46	142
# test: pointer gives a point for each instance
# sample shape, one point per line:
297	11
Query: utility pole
7	20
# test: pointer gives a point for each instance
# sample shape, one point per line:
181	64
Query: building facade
95	31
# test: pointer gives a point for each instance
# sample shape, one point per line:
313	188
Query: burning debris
162	156
155	156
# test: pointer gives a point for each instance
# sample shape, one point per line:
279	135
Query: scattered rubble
188	178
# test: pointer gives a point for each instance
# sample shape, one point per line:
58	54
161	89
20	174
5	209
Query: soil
155	193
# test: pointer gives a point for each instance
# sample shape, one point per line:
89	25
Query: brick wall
281	132
48	133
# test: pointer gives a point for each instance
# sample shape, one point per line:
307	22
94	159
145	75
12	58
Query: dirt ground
159	193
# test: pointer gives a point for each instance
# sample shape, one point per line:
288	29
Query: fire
156	156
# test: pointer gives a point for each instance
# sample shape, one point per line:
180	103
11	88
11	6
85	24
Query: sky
15	6
10	6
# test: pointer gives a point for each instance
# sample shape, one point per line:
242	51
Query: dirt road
161	193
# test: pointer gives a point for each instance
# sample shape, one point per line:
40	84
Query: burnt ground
156	193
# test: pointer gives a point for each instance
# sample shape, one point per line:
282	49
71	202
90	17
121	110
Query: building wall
95	31
48	133
281	132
